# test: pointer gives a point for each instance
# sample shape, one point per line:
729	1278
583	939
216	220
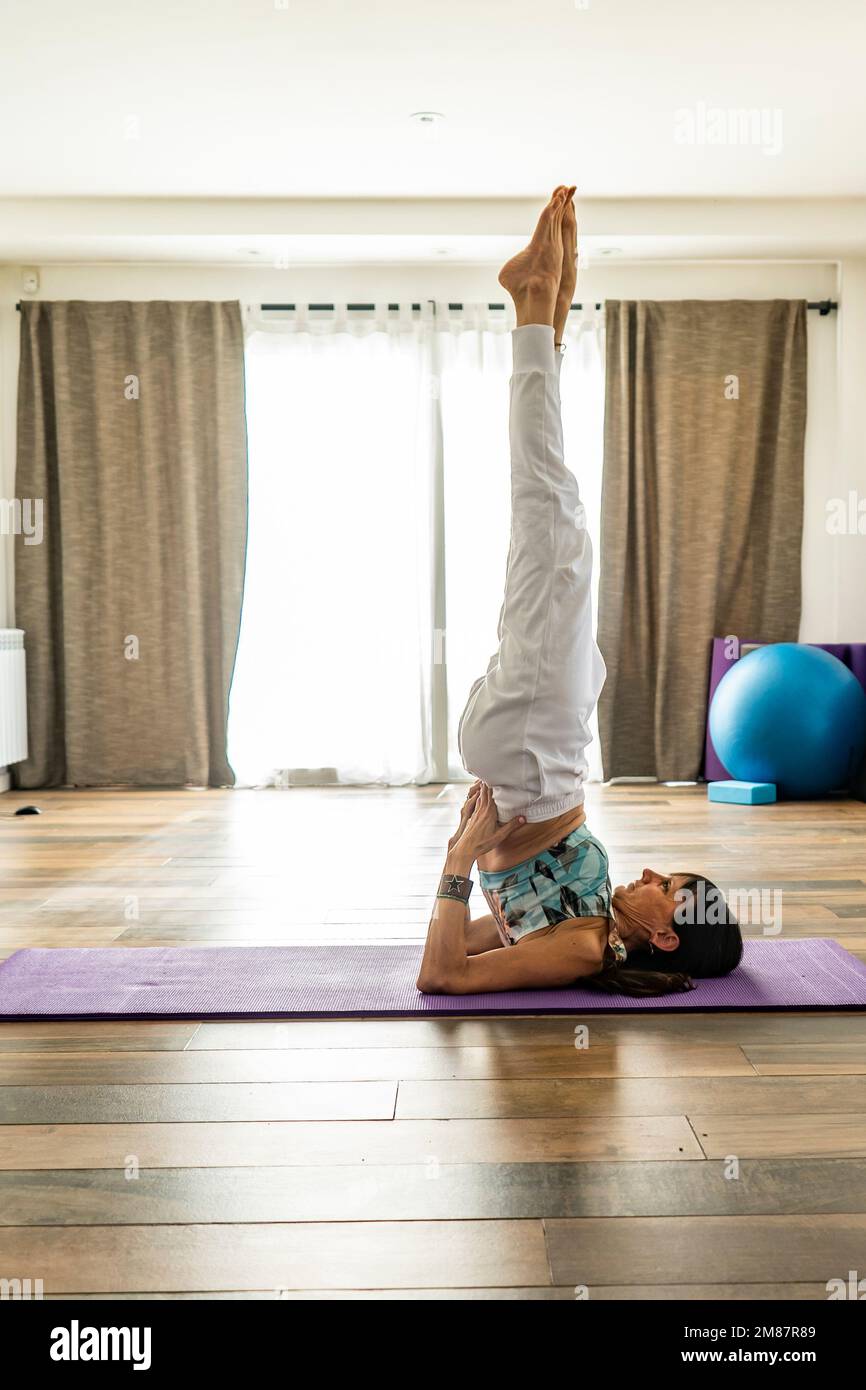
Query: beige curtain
131	431
702	504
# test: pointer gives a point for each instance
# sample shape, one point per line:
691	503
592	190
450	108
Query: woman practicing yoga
523	734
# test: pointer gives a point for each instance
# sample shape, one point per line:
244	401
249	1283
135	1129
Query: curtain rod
371	307
824	306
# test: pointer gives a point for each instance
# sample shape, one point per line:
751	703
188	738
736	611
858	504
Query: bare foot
568	274
532	276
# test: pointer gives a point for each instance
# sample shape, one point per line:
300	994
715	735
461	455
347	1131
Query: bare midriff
532	838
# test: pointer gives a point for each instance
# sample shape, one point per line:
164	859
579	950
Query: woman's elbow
430	982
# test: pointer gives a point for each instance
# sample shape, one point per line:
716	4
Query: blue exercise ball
793	715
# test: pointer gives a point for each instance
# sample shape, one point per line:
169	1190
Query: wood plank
65	1105
209	1144
431	1191
490	1030
654	1250
362	1255
17	938
809	1058
757	1095
115	1036
754	1136
369	1064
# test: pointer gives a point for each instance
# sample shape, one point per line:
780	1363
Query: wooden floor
682	1157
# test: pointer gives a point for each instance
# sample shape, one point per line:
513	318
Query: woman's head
677	923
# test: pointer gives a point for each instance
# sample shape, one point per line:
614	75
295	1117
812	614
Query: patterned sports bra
568	880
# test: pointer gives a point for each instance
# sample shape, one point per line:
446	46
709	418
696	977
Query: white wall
834	580
850	459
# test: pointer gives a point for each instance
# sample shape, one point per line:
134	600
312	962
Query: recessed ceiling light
427	118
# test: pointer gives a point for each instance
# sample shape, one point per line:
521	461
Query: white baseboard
5	780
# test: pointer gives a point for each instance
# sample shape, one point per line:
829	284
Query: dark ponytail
614	978
710	944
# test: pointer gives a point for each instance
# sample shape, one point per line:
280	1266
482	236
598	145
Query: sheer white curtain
334	662
474	364
379	523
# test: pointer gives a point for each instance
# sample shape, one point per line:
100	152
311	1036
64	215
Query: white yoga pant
525	727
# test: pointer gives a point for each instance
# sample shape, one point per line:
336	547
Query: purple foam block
367	981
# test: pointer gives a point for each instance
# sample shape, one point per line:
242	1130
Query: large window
379	524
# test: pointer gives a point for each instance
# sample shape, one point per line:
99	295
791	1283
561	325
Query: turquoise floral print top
569	880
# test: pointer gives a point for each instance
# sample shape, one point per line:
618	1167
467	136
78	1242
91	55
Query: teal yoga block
742	793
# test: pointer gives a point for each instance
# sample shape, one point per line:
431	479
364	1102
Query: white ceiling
281	233
245	98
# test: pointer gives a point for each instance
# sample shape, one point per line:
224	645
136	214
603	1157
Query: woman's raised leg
525	727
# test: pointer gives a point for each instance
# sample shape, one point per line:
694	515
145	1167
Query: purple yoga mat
375	982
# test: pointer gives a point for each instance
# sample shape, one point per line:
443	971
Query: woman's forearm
445	950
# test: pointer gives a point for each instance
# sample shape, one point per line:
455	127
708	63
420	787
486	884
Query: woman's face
645	908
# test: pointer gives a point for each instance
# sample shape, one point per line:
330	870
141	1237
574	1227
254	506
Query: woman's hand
465	812
479	830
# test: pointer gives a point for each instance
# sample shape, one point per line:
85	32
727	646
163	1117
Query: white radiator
13	697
